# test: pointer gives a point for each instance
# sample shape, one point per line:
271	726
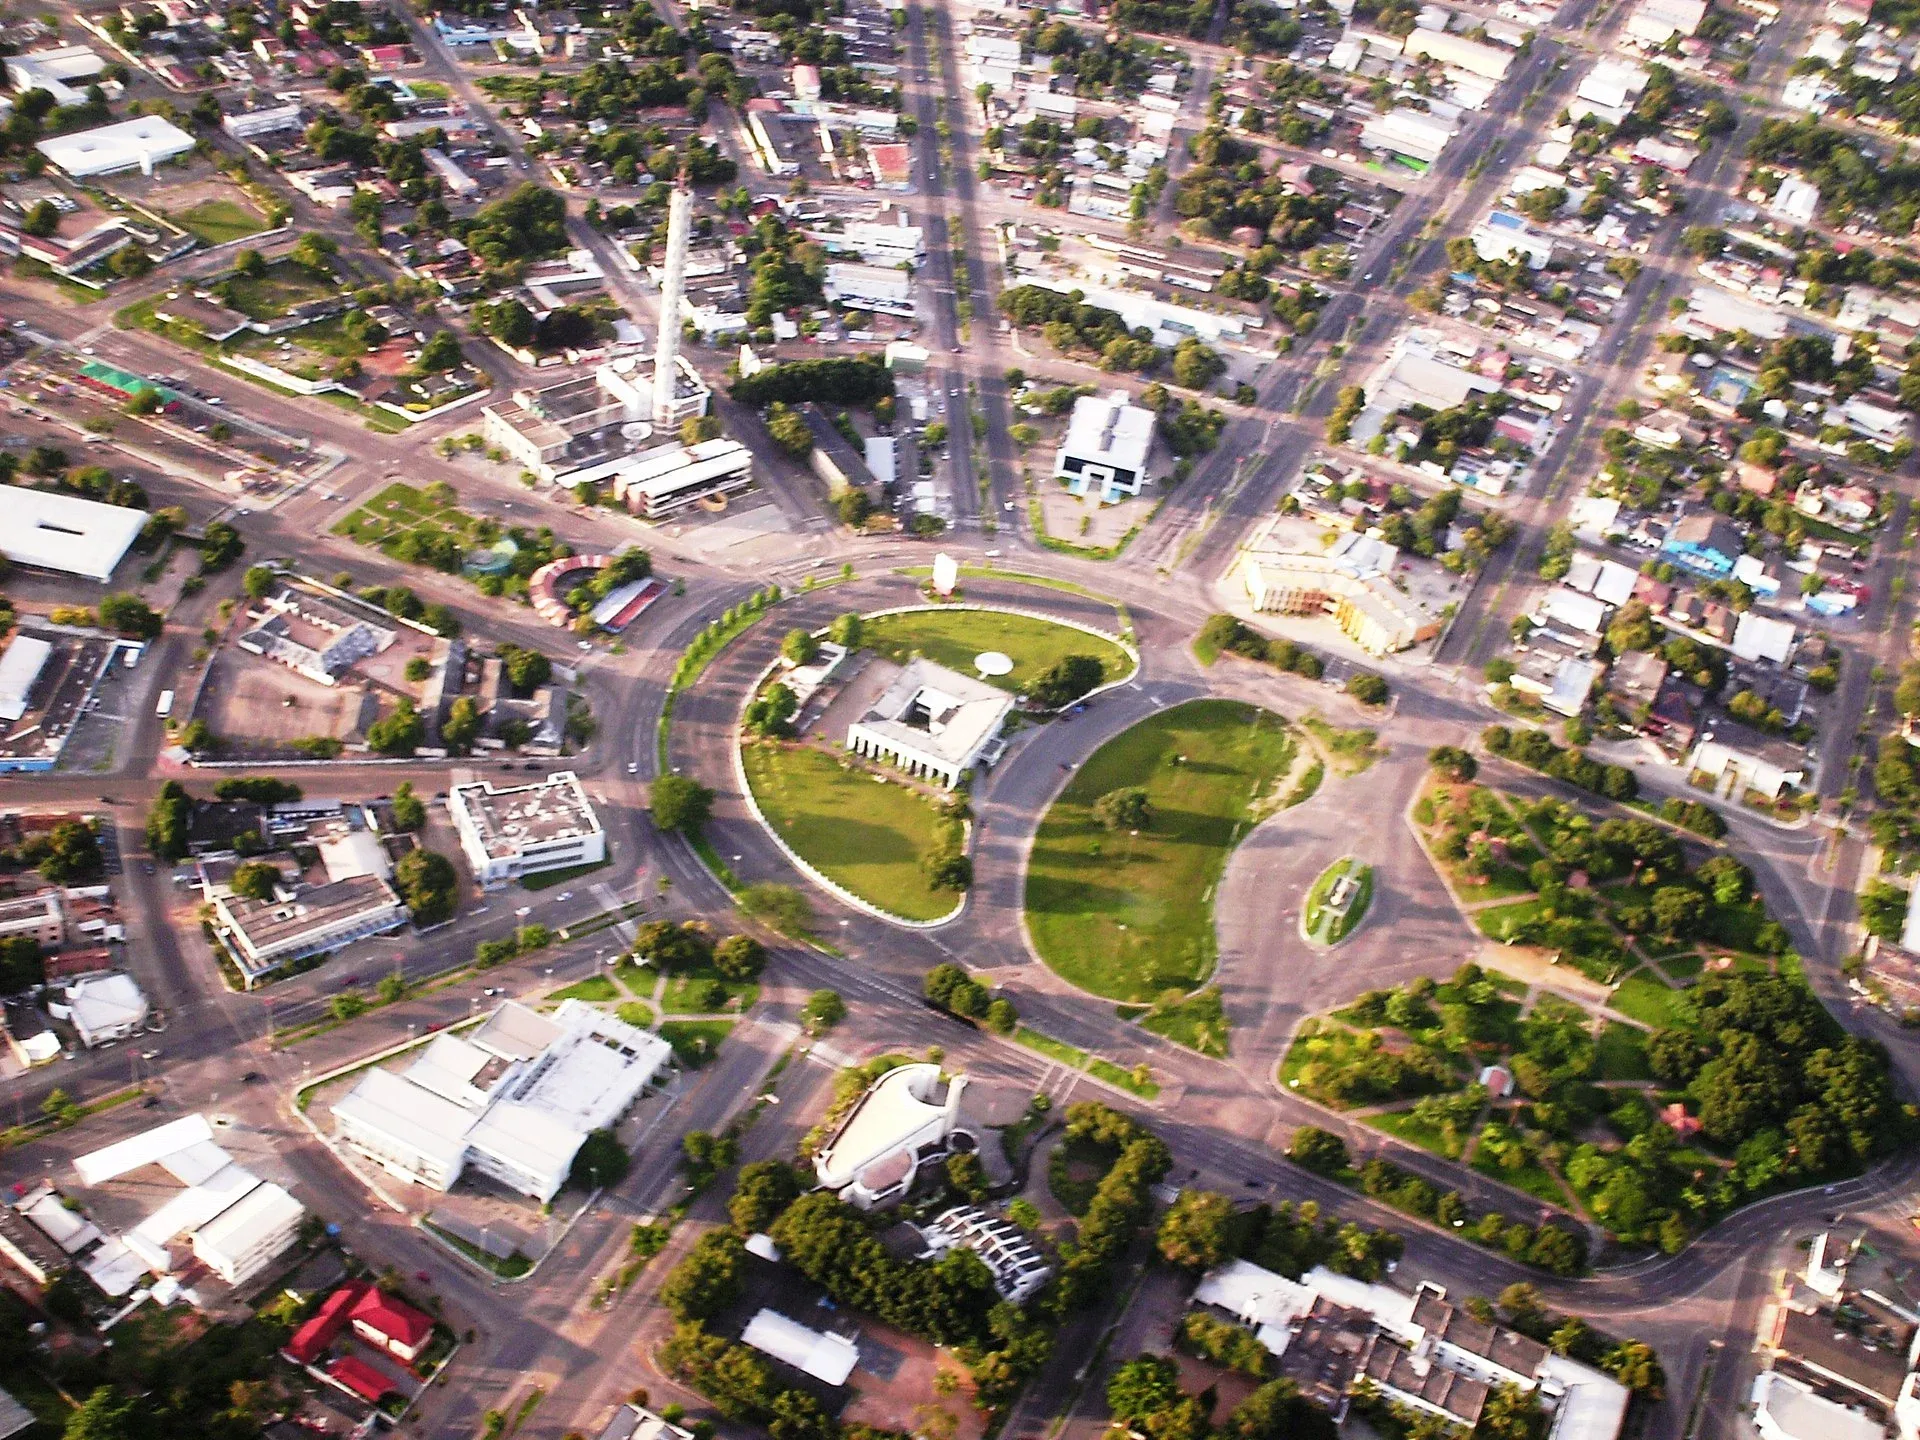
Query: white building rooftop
137	144
149	1147
80	537
20	666
827	1358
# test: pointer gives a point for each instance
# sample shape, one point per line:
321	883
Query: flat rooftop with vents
526	829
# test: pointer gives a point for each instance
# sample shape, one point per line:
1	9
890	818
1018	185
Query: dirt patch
894	1388
1082	520
264	704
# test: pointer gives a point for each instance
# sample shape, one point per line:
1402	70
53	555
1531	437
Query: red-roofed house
892	164
311	1339
392	1324
361	1378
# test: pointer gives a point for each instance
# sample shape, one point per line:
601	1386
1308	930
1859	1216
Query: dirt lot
245	698
893	1387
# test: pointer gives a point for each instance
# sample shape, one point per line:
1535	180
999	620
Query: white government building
1105	448
526	829
903	1119
515	1100
932	722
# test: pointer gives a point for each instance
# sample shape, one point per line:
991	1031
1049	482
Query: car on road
252	1077
564	895
633	767
492	990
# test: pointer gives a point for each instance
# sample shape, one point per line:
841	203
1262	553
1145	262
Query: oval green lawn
954	638
1130	916
860	834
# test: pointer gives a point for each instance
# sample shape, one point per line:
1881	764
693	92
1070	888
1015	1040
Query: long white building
514	1101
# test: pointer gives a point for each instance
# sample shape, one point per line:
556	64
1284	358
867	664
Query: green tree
680	803
462	725
1143	1387
1318	1150
600	1162
1124	809
771	714
441	353
408	812
399	731
1065	681
130	615
429	884
103	1416
705	1155
740	957
1367	687
800	647
789	430
168	819
847	630
1196	1230
255	880
763	1191
824	1010
72	854
257	581
947	869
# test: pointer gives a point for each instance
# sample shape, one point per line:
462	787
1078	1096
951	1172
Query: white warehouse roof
20	666
99	1166
65	533
829	1358
136	144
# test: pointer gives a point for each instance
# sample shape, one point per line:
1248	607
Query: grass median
860	833
954	638
1129	916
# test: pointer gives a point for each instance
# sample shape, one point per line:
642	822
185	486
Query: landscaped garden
954	637
1706	1075
1337	901
421	526
1125	910
865	832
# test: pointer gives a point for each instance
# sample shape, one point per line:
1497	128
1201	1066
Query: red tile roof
361	1378
328	1321
395	1319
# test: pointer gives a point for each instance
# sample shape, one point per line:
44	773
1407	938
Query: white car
633	767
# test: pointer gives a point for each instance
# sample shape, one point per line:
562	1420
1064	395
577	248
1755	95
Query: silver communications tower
672	289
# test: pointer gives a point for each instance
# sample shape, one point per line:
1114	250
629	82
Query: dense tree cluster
1226	632
1227	188
1072	326
1121	1202
836	380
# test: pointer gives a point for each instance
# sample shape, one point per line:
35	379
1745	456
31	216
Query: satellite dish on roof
635	430
946	573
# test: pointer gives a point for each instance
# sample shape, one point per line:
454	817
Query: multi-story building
514	1101
1106	446
262	935
526	829
932	722
1350	583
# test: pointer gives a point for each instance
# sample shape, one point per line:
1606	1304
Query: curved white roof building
874	1155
